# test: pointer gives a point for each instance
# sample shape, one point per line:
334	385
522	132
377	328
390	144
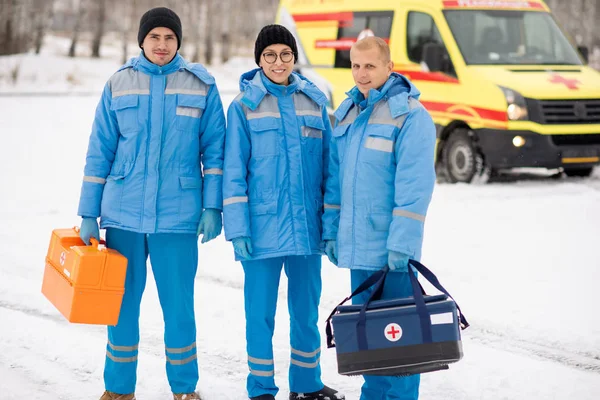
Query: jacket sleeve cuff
236	218
213	191
90	199
331	221
406	236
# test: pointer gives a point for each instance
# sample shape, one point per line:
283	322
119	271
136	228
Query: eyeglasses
285	57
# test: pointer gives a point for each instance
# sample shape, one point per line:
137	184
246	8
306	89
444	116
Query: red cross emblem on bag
393	332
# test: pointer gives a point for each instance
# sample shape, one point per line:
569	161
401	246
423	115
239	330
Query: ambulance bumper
519	149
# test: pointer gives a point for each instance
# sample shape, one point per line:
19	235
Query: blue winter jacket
155	155
381	175
276	154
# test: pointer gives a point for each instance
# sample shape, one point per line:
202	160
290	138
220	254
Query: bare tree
194	24
589	21
42	13
130	12
15	27
228	29
79	14
209	37
99	32
6	26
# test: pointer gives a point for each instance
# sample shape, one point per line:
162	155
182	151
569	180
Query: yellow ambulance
503	83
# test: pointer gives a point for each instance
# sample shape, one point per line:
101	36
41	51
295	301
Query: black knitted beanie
274	34
159	17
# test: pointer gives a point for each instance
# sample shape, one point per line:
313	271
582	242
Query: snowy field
521	257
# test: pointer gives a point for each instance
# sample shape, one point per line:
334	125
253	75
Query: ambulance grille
554	112
576	140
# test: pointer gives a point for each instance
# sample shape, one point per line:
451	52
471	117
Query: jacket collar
374	94
277	89
255	85
143	64
396	91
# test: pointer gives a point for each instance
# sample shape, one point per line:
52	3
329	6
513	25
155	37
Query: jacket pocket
379	232
190	205
339	139
312	135
127	110
264	225
312	149
112	197
189	111
379	145
120	170
381	222
264	136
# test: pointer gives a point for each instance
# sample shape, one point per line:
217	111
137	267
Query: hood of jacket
255	85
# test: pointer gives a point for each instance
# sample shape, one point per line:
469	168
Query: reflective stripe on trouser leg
122	348
304	293
261	283
397	284
174	260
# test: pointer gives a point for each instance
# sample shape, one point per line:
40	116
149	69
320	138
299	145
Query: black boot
263	397
326	393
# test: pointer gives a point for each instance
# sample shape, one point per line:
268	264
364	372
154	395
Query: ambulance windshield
487	37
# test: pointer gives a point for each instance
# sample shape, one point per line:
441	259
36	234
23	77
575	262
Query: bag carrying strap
424	318
361	325
378	279
431	278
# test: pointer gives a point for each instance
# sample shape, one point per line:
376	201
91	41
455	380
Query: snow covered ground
520	257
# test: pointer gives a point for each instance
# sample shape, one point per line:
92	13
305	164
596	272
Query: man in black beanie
159	35
153	175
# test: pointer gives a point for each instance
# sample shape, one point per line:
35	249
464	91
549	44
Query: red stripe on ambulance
493	4
339	44
451	108
427	76
344	18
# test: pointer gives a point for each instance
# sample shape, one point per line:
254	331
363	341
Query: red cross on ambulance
570	83
393	332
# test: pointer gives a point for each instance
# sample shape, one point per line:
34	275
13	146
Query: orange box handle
94	242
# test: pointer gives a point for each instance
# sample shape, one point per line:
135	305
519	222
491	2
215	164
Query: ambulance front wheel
462	160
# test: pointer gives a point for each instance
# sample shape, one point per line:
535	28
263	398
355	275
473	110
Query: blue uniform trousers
397	285
304	291
174	259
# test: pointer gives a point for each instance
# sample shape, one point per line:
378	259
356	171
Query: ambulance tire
580	172
462	160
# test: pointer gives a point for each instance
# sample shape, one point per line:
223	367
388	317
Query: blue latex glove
398	261
210	225
89	229
331	251
242	246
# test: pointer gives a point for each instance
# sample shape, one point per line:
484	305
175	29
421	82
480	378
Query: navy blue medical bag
397	337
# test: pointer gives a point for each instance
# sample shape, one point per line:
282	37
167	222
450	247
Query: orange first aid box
85	283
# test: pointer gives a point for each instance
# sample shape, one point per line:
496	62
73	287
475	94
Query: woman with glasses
276	153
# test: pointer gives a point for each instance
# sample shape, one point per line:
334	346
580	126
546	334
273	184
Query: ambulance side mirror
585	53
433	56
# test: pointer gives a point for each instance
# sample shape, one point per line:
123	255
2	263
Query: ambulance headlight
516	108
